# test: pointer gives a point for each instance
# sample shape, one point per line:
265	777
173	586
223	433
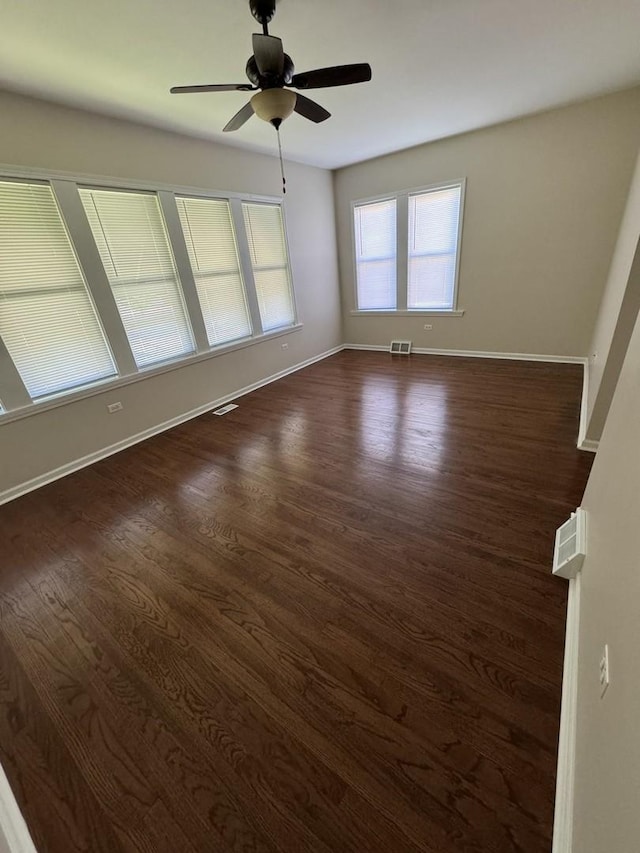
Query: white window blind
211	243
131	237
375	239
434	218
270	263
47	319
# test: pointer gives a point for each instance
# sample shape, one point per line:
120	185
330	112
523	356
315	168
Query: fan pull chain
284	180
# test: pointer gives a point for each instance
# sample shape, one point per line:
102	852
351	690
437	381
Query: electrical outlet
428	327
114	407
604	670
285	346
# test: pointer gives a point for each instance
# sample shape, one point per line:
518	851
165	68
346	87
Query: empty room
319	410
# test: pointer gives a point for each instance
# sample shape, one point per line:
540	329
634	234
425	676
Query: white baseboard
512	356
14	835
565	777
368	347
83	462
583	443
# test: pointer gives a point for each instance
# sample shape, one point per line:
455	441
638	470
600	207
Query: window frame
254	326
16	400
245	256
402	252
15	389
365	203
135	284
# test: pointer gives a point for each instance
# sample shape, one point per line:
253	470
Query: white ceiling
440	67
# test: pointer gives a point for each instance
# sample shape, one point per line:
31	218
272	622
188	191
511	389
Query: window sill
107	385
407	313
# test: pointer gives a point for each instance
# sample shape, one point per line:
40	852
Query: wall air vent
400	347
571	545
224	409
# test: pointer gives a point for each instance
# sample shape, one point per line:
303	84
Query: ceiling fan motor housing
270	81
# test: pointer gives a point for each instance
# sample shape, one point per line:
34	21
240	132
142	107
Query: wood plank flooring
324	622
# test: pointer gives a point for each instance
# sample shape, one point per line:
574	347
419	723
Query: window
375	238
130	234
270	264
428	224
98	283
47	319
211	243
433	249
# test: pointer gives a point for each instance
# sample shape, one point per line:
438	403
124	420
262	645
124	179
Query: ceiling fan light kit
274	105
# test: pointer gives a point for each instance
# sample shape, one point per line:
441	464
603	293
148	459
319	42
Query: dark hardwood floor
323	622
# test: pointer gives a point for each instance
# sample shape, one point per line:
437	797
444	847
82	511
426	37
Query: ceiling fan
271	71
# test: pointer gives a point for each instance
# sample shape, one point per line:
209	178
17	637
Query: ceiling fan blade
239	118
337	75
309	109
213	87
269	54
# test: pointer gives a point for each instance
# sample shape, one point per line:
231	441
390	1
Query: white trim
402	253
438	185
76	465
14	835
246	267
191	300
292	290
354	248
513	356
111	384
368	347
97	181
401	198
14	392
565	777
582	430
95	278
461	209
409	312
585	443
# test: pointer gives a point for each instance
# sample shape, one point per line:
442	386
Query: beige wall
616	318
545	197
41	135
607	795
